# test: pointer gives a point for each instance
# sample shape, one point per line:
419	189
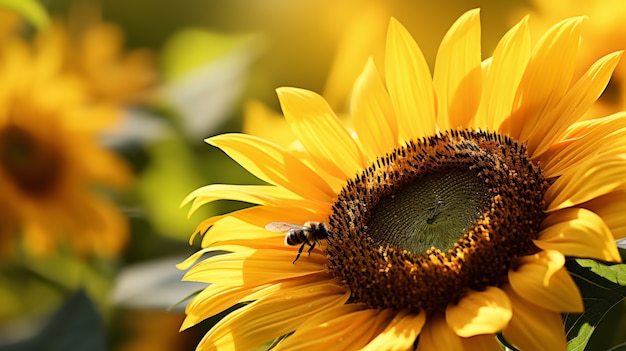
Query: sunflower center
32	166
432	211
434	219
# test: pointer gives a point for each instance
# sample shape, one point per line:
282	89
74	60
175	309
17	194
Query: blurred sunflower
444	219
93	50
9	21
53	169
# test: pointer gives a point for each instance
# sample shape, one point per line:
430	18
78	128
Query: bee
308	234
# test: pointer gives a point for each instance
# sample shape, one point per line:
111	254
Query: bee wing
281	227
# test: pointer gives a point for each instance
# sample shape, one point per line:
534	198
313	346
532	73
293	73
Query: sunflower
446	216
96	52
53	169
93	50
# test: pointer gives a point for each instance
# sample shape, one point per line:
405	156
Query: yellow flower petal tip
484	312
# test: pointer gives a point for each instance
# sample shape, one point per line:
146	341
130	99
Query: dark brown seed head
423	225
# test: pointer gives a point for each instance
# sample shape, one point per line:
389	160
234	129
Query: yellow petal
547	77
582	127
273	164
363	37
592	177
51	53
611	208
457	75
320	131
233	229
109	233
504	75
189	261
542	279
605	136
345	327
262	215
436	335
532	327
400	334
272	316
374	117
409	84
578	232
274	243
574	104
210	301
480	312
254	194
255	267
217	298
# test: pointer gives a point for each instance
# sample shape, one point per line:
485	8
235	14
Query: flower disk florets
436	218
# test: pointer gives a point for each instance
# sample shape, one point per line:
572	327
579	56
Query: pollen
434	219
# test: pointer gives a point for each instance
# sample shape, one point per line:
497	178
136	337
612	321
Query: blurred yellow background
176	73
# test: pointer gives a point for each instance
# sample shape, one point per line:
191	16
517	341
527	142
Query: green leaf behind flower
603	286
77	325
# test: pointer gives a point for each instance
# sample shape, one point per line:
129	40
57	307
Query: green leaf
621	347
191	48
170	176
32	11
77	325
602	287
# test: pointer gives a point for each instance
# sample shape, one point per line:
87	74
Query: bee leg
299	252
312	246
